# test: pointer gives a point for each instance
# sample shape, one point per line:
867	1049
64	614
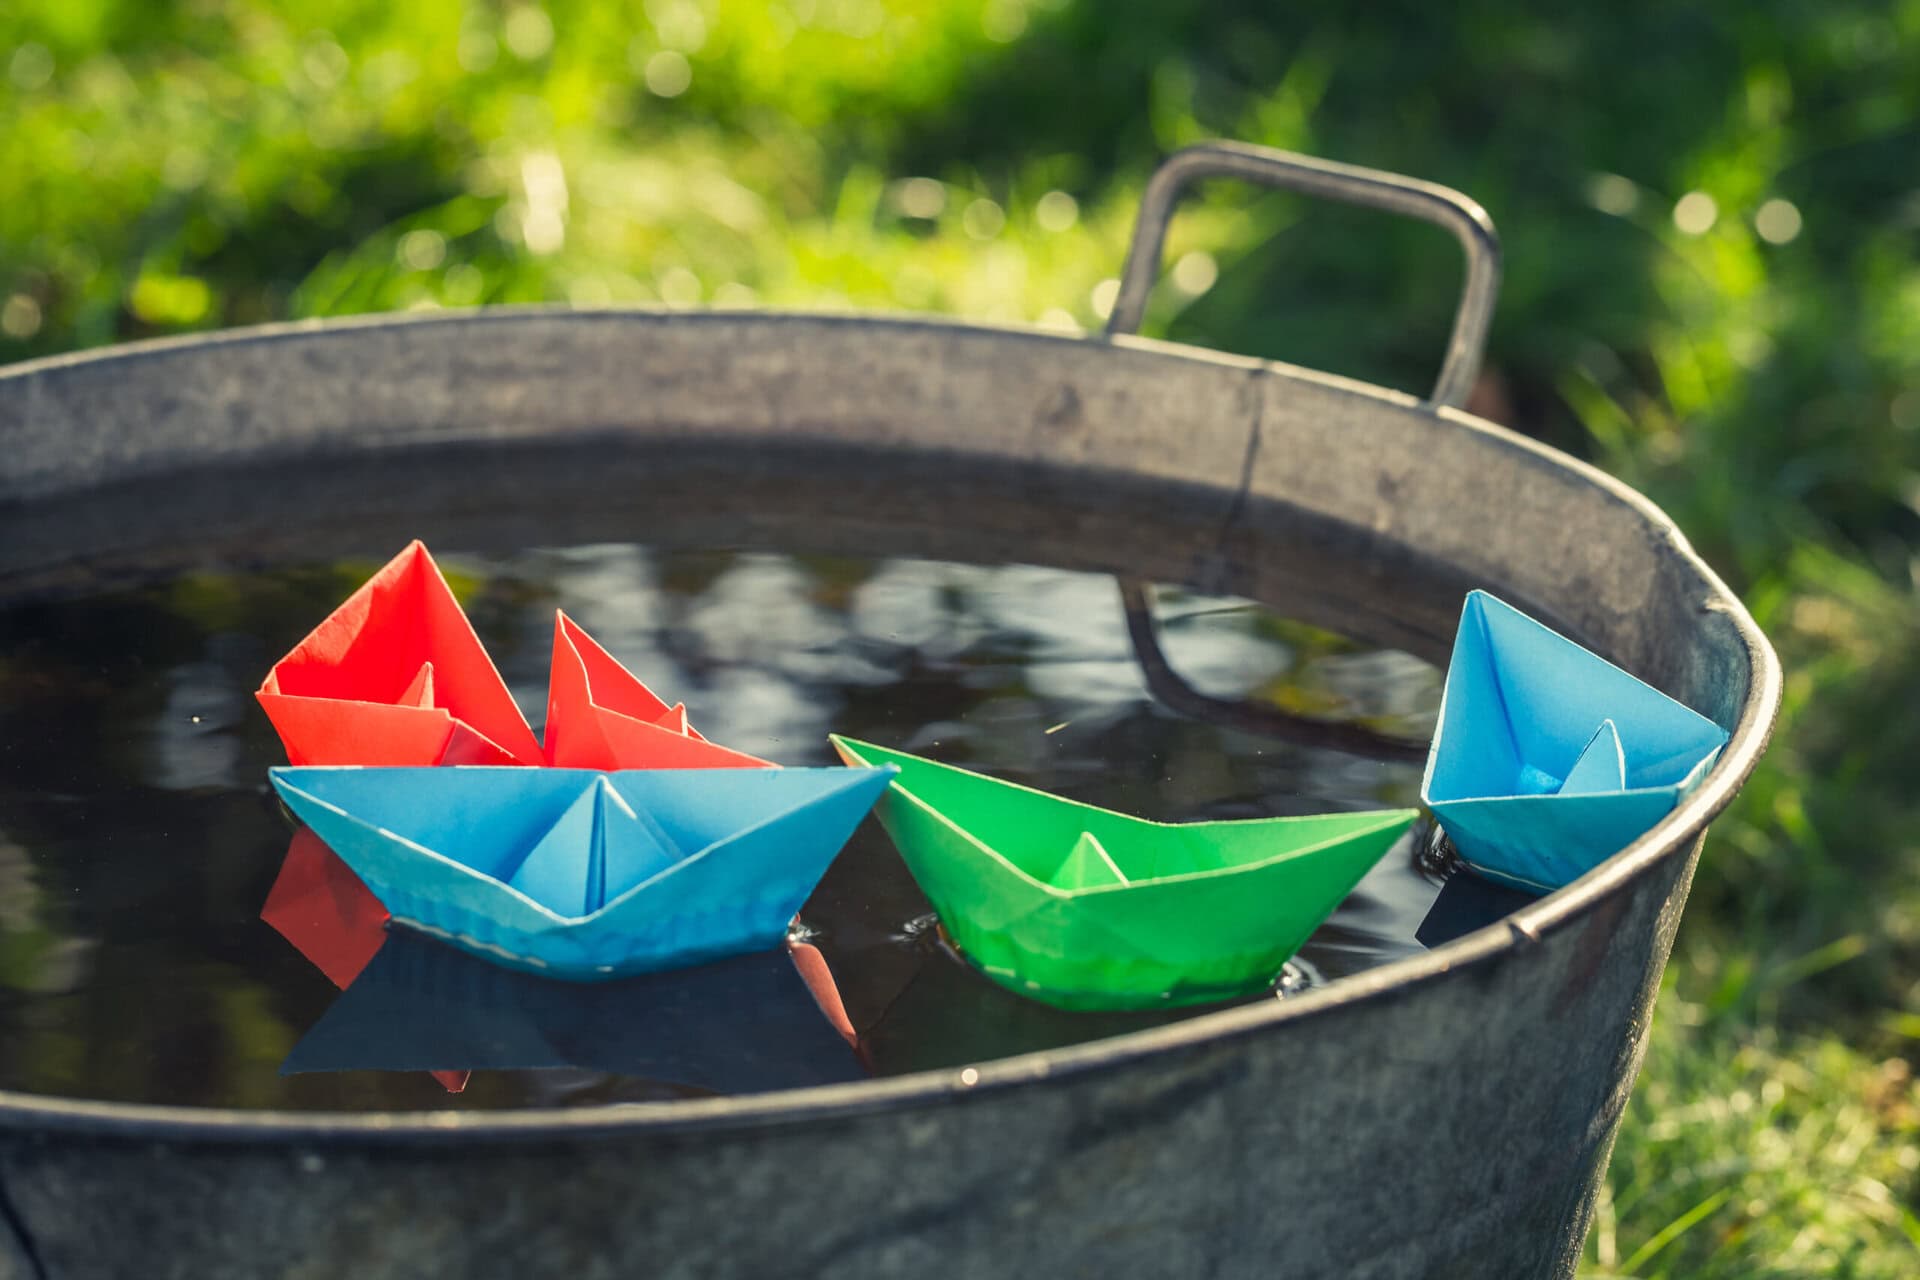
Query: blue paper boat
740	1025
583	875
1549	759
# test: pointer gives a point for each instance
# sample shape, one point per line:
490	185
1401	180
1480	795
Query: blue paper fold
583	875
1549	759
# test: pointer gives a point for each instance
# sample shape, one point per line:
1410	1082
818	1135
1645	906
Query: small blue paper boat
1549	759
583	875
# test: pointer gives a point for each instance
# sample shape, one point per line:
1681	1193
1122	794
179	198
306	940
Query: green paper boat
1085	908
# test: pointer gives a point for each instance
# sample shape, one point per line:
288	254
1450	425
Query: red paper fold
600	716
396	676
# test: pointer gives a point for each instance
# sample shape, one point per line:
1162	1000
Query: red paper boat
396	676
600	716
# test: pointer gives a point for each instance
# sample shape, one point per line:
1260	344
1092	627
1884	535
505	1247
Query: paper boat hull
1145	946
1541	843
1174	940
738	893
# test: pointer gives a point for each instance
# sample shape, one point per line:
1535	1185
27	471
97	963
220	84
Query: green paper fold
1085	908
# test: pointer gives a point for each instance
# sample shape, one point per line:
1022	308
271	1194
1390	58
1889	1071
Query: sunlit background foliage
1712	222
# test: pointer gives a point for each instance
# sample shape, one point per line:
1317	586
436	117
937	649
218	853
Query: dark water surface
139	838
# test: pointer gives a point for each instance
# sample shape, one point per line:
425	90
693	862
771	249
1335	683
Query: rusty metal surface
1441	1116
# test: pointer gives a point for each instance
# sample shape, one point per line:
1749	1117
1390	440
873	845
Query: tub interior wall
519	427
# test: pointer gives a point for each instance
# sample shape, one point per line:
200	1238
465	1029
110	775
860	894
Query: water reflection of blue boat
740	1025
1466	903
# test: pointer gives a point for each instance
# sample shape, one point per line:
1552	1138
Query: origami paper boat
584	875
1549	758
599	716
397	676
1088	909
738	1025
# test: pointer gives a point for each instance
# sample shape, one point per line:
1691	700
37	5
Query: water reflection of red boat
320	906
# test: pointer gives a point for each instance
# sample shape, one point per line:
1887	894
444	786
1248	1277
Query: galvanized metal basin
1299	1137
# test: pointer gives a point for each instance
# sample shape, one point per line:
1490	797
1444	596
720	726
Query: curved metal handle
1427	201
1168	685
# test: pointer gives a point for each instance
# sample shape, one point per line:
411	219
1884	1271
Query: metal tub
1446	1115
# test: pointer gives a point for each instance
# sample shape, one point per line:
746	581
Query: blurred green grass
1712	221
